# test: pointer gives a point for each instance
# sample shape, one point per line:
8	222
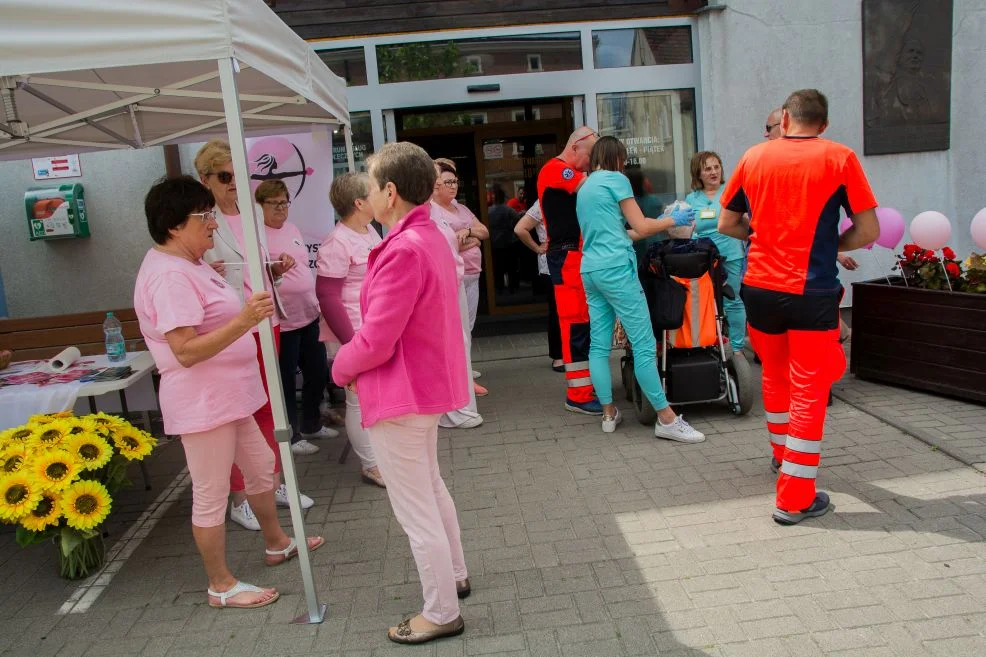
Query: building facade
498	86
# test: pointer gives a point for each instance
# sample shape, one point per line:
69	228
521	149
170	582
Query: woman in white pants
341	268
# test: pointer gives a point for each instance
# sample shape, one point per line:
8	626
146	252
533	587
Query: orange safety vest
699	326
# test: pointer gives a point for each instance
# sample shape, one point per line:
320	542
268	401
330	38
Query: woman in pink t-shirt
214	164
341	269
300	346
198	333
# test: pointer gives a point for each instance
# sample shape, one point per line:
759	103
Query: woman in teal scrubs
707	179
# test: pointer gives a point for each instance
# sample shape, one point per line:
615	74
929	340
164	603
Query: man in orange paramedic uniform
792	189
558	182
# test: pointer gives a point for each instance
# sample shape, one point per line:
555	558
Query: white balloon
931	230
978	229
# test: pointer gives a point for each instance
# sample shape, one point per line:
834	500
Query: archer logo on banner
303	162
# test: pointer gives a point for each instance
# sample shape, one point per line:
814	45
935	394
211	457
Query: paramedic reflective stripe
778	438
578	383
778	418
798	470
804	446
575	367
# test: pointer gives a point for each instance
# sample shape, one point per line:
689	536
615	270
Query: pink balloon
931	230
845	225
891	227
978	229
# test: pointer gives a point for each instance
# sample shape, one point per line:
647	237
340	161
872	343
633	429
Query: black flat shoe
404	634
463	589
819	507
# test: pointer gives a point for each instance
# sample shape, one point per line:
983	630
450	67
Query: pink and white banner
304	162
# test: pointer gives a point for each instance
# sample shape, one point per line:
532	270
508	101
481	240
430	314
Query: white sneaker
303	448
281	497
471	423
324	432
243	516
476	374
610	423
678	430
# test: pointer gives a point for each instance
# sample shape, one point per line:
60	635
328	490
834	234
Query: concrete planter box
925	339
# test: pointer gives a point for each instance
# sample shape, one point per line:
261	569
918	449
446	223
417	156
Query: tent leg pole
255	260
347	134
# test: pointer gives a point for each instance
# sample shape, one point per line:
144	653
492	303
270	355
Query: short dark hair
499	196
698	161
408	167
170	201
809	107
443	167
609	154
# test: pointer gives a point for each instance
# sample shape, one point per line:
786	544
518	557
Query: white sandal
291	551
240	587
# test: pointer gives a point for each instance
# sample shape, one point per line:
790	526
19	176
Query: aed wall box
56	212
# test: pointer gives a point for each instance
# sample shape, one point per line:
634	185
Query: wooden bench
43	337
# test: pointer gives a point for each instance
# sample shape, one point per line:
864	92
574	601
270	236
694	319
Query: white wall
77	275
755	52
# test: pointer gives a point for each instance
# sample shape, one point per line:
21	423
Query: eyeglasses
449	183
204	217
591	134
278	205
225	177
770	126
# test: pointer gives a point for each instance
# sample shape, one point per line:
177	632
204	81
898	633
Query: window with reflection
658	128
646	46
460	58
362	144
348	63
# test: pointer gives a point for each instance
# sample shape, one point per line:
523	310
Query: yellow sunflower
19	493
133	443
108	422
81	425
16	435
49	417
45	514
55	469
52	434
13	458
91	450
85	504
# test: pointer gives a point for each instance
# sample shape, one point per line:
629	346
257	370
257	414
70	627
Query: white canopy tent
81	76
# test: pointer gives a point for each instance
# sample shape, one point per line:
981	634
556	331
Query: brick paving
580	543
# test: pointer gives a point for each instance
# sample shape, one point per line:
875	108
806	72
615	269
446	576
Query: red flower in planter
928	255
911	250
953	269
949	254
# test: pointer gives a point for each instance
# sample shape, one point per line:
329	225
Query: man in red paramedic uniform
792	189
558	182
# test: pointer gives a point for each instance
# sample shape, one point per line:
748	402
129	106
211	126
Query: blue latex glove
683	216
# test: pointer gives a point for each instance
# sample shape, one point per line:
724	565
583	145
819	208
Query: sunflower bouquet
58	475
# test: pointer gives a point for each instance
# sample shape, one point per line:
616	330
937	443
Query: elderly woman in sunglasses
197	328
214	164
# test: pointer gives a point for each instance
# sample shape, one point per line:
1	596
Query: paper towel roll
64	359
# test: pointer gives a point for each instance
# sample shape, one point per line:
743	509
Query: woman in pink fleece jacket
407	362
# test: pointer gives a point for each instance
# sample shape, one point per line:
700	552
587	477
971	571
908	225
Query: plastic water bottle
116	348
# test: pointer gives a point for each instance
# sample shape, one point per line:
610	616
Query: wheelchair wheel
645	411
740	379
626	373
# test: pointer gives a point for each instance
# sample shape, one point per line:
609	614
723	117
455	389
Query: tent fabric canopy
120	74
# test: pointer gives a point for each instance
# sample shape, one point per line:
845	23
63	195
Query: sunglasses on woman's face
225	177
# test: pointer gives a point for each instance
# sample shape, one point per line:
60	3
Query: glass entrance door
508	169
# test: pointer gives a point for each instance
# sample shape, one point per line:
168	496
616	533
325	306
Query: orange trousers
797	339
573	320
